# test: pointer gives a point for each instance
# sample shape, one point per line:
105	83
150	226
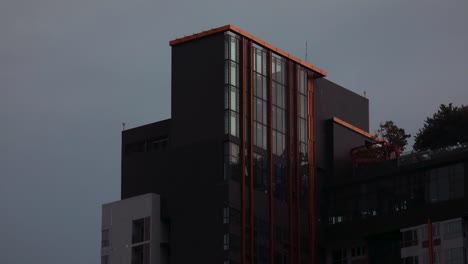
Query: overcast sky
72	71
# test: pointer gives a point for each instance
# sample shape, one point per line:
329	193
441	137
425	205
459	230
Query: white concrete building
132	232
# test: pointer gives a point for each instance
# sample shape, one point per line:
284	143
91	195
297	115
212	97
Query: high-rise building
237	165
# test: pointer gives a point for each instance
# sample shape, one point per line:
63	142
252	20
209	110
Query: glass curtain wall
279	130
302	102
280	94
279	121
231	85
232	155
260	155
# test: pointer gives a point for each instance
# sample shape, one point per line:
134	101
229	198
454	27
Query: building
249	166
132	231
386	210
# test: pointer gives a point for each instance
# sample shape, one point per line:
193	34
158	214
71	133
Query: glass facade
260	98
231	85
276	121
400	192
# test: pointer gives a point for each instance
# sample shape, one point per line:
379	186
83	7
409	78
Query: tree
447	127
391	133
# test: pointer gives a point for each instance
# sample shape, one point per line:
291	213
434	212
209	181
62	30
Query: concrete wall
118	216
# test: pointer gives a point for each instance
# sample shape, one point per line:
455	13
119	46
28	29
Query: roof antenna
123	126
365	94
306	53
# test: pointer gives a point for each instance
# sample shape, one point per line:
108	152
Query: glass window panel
303	130
274	93
274	142
226	47
280	120
304	108
258	61
233	74
257	134
264	106
264	88
234	48
301	106
264	134
226	97
443	186
280	144
258	85
284	121
233	124
283	96
226	72
274	117
234	150
279	96
258	109
233	99
226	122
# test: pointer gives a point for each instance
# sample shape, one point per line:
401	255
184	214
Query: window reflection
231	92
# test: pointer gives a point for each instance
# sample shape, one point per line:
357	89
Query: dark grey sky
72	71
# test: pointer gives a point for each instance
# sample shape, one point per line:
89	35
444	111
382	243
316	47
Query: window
141	230
335	219
105	259
435	257
260	172
141	254
435	231
453	230
358	251
446	183
409	238
226	241
454	255
339	256
231	80
231	161
105	238
410	260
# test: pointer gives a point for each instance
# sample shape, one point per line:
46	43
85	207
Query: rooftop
256	40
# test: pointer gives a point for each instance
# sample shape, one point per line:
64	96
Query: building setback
246	168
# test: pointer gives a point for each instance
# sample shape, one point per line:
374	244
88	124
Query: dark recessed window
141	254
105	238
226	241
141	230
409	238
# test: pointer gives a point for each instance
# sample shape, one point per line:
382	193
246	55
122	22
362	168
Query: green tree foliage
447	127
391	133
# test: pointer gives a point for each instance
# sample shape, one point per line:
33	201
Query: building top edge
319	72
356	129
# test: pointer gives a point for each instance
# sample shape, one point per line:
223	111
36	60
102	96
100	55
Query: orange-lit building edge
319	72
